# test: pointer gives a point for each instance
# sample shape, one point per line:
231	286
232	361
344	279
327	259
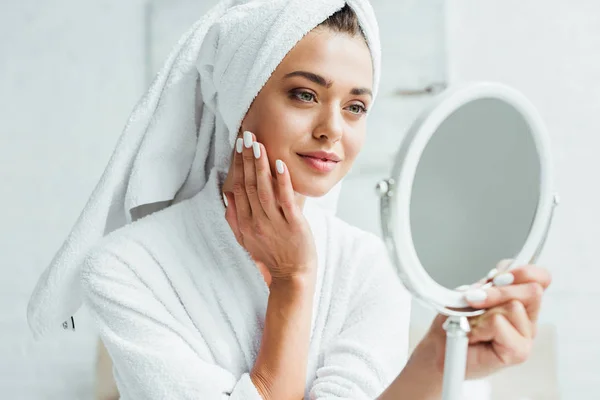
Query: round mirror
470	187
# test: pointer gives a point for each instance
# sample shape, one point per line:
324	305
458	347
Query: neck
228	187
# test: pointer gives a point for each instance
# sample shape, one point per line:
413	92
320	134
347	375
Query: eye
357	109
303	95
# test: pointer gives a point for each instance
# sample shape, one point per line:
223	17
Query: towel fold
185	126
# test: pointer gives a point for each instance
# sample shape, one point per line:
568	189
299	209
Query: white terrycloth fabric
181	307
186	125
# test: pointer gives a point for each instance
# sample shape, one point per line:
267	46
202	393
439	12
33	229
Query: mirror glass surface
475	192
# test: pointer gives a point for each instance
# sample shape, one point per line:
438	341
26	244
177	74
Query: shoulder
361	280
348	241
355	257
373	279
137	249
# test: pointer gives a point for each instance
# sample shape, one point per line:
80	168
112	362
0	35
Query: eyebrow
319	80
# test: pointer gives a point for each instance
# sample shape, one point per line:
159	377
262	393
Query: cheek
277	125
353	144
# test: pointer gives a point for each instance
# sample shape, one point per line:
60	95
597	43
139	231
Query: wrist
298	282
280	368
420	378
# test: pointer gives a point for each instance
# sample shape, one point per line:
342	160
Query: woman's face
315	101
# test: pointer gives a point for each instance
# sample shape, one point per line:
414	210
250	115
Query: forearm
421	378
280	368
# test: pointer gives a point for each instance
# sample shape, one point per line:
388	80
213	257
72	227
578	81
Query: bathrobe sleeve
372	346
154	355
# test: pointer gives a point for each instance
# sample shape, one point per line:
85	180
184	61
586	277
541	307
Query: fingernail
463	288
247	139
225	200
279	166
504	279
476	296
256	150
238	145
492	273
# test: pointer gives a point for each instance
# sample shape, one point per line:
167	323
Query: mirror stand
455	361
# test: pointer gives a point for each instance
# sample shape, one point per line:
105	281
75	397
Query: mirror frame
396	191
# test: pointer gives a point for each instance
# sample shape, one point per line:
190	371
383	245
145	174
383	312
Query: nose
330	127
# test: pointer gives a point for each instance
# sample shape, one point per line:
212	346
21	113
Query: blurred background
71	72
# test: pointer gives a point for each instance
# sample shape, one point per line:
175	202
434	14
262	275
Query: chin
314	187
314	184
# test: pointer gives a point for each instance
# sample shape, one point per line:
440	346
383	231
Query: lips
322	155
320	162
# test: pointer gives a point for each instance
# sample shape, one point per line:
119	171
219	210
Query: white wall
70	73
550	51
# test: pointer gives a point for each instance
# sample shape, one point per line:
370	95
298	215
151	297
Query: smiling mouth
319	158
322	165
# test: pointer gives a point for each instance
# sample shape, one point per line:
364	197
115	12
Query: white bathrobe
181	307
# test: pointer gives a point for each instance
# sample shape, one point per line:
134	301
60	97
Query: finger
266	193
507	344
231	217
523	274
285	191
532	273
250	180
530	294
514	311
242	204
500	267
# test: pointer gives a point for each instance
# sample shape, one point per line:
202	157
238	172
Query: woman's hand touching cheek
264	216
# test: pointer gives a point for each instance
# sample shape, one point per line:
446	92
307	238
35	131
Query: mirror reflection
475	192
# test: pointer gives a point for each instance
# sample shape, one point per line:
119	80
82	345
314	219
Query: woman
317	311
